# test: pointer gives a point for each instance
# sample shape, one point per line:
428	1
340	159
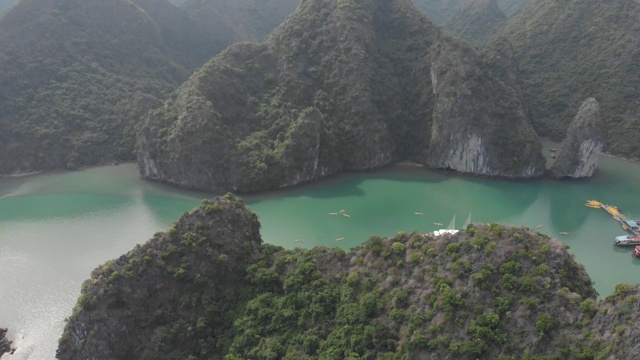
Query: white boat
451	229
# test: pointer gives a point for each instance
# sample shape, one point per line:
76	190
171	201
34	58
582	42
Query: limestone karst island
289	179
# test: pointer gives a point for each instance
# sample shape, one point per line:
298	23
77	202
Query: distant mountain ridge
248	20
477	21
442	11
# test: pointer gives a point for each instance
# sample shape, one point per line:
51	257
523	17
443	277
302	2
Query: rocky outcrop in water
579	152
339	86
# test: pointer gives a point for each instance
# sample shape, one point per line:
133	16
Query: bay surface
56	228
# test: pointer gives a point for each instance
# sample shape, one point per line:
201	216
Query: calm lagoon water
56	228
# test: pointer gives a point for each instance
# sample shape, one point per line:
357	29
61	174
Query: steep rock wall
473	131
578	156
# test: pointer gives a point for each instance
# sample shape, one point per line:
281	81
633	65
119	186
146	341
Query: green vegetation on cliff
76	76
341	85
208	289
570	50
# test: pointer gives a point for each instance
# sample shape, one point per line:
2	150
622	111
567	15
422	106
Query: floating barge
632	226
627	240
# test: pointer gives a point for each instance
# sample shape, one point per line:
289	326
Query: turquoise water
55	228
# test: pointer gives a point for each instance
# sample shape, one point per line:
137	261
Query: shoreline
21	174
60	170
632	160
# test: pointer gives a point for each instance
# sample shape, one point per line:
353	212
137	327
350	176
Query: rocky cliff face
165	298
579	152
339	86
208	289
473	131
615	324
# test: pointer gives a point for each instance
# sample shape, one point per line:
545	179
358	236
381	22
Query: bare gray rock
578	156
479	124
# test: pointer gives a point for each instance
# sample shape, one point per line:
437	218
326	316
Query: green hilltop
209	289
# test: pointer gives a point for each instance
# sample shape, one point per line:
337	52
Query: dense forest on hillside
209	289
77	76
339	86
186	41
570	50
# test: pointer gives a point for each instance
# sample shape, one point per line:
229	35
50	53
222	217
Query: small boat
538	227
340	239
333	214
438	224
418	213
636	251
346	215
564	233
342	211
594	204
627	240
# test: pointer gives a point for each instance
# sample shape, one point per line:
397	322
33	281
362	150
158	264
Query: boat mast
452	224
